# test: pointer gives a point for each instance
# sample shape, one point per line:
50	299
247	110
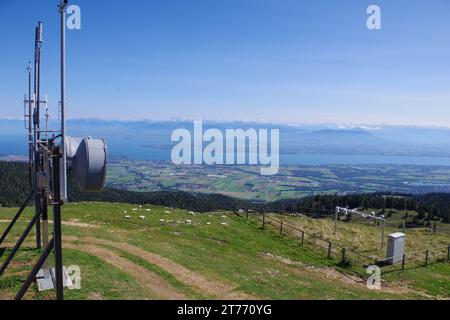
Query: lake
16	145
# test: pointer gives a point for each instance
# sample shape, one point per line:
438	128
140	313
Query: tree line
428	206
14	189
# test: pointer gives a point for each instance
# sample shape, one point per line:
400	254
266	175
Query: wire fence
345	257
403	225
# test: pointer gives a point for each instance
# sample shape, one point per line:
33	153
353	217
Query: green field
215	255
293	181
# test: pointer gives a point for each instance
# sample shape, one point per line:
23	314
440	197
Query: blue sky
275	60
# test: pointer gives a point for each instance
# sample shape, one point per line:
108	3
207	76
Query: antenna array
52	157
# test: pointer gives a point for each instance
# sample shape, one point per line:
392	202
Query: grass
219	246
364	237
99	279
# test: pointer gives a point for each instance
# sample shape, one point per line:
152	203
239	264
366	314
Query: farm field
176	254
292	181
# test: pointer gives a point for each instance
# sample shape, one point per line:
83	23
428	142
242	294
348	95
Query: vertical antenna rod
30	128
60	172
62	10
36	126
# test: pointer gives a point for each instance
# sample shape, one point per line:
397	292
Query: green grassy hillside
173	253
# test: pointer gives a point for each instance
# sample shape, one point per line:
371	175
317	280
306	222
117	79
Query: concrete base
45	279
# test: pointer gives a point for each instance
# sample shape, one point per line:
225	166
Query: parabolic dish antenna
86	161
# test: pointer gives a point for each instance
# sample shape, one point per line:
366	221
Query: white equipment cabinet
396	248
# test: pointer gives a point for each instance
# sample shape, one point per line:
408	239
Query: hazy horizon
343	126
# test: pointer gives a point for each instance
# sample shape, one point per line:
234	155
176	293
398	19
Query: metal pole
403	262
30	128
48	249
59	173
45	228
57	226
17	216
37	117
62	10
18	244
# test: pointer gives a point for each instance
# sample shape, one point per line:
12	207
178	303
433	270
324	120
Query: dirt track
188	277
161	288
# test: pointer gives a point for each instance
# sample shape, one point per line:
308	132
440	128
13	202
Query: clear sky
298	61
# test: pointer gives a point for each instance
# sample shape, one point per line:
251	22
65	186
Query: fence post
403	262
329	250
264	220
281	229
426	258
303	240
448	253
343	256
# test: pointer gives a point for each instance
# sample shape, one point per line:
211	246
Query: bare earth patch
153	282
95	296
71	223
181	273
6	296
75	223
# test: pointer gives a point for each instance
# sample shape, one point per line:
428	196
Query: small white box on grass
395	248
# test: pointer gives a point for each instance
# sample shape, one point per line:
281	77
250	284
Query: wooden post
303	241
403	262
382	233
343	256
336	213
426	258
448	253
329	250
281	229
264	220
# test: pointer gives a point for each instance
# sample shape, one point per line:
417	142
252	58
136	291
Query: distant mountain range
151	139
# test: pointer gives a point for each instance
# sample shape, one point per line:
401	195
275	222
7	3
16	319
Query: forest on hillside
428	206
14	188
